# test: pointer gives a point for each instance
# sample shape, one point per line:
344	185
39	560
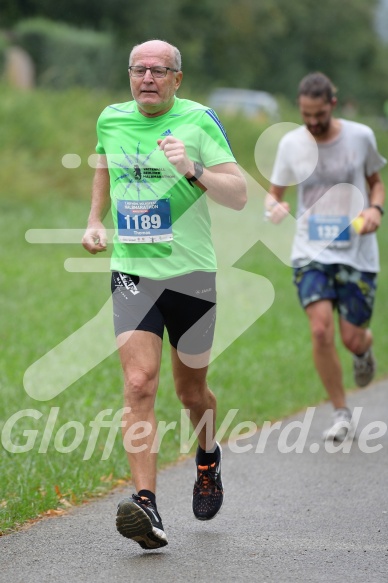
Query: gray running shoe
364	368
138	519
341	427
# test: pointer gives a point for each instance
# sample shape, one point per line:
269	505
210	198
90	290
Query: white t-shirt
332	190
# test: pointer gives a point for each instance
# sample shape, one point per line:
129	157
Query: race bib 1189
144	221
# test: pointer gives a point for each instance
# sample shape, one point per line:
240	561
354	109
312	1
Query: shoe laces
363	365
365	361
207	477
342	415
143	500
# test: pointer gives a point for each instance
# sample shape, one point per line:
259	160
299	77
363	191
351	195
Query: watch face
198	169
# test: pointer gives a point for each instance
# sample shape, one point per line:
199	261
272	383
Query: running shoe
364	368
138	519
341	427
208	493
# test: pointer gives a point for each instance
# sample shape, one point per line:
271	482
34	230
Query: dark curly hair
317	85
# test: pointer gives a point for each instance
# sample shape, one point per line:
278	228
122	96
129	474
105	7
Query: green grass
266	373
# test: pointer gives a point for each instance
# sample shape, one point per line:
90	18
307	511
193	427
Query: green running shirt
139	171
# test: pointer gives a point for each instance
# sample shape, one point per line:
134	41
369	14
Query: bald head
155	95
167	52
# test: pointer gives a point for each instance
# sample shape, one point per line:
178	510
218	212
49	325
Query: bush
65	56
4	43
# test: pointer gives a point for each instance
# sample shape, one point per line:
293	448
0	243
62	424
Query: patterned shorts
351	291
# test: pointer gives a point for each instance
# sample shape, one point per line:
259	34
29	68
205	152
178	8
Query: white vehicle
247	101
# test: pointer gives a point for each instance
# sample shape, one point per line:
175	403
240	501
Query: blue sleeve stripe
214	117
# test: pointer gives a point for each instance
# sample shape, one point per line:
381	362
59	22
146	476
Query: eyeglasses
157	72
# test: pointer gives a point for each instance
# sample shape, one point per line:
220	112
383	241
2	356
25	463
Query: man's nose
148	76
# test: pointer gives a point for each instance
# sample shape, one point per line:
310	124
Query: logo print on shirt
137	173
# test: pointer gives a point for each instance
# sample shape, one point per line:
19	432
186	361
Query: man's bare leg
138	517
193	391
140	354
325	355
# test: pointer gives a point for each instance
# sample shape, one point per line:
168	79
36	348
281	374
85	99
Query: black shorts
184	305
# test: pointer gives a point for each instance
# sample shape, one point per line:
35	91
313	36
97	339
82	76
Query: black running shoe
208	494
138	519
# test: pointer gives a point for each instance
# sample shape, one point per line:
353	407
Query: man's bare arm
95	239
224	183
275	208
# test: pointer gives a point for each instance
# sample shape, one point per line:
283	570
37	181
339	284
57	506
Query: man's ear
178	80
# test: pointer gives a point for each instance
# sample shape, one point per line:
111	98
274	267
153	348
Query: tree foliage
63	57
265	44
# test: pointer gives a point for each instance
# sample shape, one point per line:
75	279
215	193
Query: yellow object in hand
358	223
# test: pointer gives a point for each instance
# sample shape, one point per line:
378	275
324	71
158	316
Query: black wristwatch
378	207
198	171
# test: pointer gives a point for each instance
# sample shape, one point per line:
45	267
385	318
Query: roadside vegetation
266	374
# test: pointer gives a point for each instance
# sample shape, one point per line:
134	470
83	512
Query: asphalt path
293	512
